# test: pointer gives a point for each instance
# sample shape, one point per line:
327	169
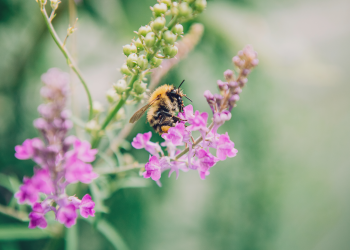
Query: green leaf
112	235
9	182
12	232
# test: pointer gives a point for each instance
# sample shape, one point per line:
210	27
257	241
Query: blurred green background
287	188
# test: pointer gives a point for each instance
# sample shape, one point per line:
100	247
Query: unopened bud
142	62
125	70
229	75
131	61
170	51
200	5
178	29
222	85
156	62
70	31
167	2
139	45
112	96
120	86
169	37
97	107
150	39
140	87
129	49
175	9
144	30
185	10
159	9
92	126
158	24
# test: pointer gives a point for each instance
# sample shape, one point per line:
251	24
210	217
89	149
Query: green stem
70	61
114	111
104	170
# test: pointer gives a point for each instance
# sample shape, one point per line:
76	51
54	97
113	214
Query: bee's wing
141	111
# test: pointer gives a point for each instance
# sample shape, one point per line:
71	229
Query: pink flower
176	134
42	181
67	215
198	122
205	161
153	169
220	119
36	217
187	112
225	147
26	150
87	206
84	151
76	170
143	141
27	192
175	166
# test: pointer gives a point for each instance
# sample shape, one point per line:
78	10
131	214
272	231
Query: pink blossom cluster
60	160
196	154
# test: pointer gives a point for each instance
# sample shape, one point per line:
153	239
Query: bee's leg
165	128
173	116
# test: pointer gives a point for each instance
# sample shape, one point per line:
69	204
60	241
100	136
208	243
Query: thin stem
118	169
114	111
14	213
199	139
70	61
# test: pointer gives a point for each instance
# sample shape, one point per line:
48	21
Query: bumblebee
163	104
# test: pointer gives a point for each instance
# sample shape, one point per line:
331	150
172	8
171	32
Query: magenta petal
87	206
67	215
156	175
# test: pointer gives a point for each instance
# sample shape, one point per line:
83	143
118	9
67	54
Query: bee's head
179	94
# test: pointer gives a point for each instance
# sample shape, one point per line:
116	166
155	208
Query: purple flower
198	122
225	147
42	181
76	170
210	99
187	112
26	150
87	206
143	141
27	193
153	169
67	215
205	161
84	151
220	119
36	217
176	134
175	166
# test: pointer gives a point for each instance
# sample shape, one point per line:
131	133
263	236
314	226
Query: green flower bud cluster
154	42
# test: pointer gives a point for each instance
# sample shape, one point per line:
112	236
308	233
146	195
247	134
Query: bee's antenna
180	84
187	97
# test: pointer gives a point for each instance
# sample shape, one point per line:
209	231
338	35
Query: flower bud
200	5
170	51
178	29
54	4
139	45
150	39
158	24
222	85
167	2
185	10
140	87
144	30
129	49
142	62
120	86
169	37
125	70
131	60
97	107
175	9
229	75
92	126
159	9
112	96
156	62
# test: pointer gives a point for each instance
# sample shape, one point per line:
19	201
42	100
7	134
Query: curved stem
71	63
